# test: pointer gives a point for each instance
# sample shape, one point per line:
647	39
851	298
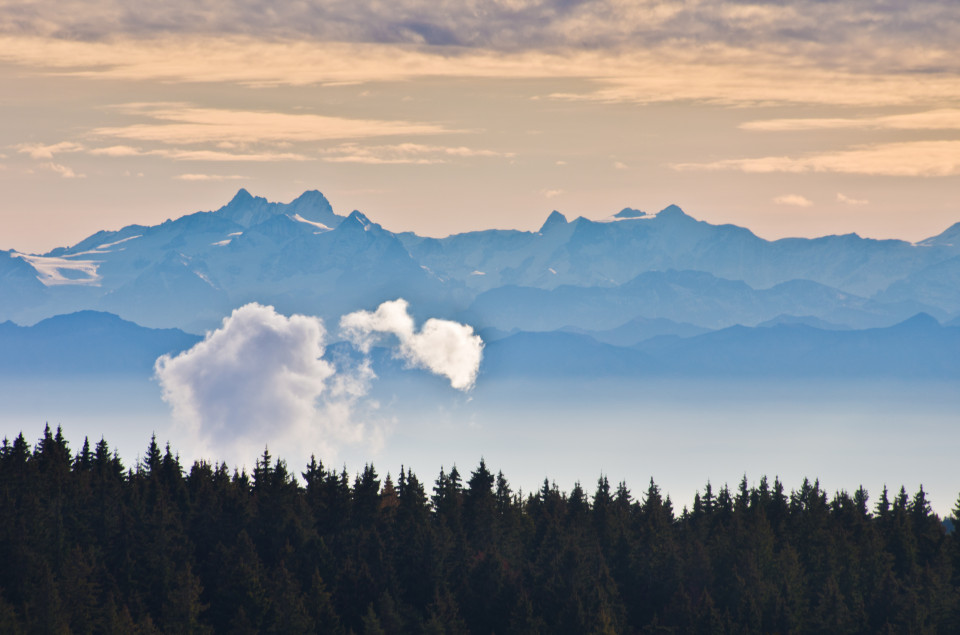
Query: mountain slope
86	343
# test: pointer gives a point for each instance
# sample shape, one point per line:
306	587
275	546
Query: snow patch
115	243
60	271
222	243
320	226
476	272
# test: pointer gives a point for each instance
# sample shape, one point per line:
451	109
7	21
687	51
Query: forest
89	545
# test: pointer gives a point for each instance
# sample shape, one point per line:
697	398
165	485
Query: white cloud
441	346
619	165
793	199
850	201
261	379
551	193
908	158
256	379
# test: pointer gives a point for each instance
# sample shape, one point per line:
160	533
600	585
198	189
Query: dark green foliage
88	546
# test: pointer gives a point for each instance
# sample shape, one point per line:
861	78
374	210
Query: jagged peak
629	212
241	196
555	218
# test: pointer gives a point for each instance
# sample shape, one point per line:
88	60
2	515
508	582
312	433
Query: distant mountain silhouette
86	343
590	275
917	348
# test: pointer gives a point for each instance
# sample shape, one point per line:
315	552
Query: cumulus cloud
793	199
256	379
261	378
443	347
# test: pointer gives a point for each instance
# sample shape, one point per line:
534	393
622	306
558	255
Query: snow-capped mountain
590	275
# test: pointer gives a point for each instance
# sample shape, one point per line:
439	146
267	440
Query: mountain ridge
301	256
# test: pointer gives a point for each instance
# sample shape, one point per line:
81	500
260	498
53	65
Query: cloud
118	151
180	154
261	379
793	199
403	153
942	119
210	177
441	346
619	165
908	158
551	193
63	170
923	31
188	125
734	68
850	201
40	151
256	379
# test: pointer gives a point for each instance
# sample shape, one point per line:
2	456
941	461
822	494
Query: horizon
595	217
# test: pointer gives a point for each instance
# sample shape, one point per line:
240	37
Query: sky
792	118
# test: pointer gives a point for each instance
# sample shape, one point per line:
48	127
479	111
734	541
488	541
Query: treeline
88	545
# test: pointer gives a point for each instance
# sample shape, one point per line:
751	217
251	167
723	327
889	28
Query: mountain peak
629	212
555	218
311	197
241	196
357	217
921	320
672	211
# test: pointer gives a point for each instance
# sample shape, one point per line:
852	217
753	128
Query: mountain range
633	282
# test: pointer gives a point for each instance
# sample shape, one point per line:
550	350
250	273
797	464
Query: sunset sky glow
795	118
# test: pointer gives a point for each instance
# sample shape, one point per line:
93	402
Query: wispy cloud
846	200
793	199
181	154
210	177
725	71
942	119
63	170
41	151
404	153
909	158
551	193
188	125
